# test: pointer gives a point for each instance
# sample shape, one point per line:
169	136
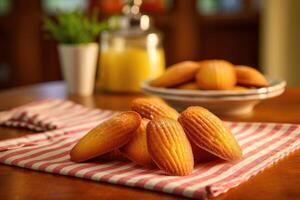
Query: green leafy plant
74	27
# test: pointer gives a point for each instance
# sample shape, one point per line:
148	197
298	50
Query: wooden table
281	181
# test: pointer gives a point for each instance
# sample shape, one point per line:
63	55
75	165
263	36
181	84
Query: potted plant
78	51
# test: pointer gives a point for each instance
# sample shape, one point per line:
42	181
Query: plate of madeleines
218	85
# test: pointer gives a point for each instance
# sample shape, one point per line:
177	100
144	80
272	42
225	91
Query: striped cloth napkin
64	122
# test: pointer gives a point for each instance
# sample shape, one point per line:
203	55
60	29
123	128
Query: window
52	6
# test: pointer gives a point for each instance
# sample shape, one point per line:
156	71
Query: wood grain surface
281	181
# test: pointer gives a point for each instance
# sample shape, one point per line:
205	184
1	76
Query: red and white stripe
263	144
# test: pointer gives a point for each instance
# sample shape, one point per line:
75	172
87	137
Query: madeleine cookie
249	76
169	146
151	108
106	137
216	75
239	88
136	149
188	86
208	132
176	74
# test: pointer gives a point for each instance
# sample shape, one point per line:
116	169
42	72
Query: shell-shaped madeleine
106	137
216	75
176	74
189	86
208	132
136	149
249	76
169	146
150	108
239	88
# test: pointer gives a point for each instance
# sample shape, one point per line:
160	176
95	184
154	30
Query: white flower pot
78	63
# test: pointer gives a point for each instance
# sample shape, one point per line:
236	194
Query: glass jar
129	57
130	52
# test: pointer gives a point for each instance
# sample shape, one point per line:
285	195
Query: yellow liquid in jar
123	71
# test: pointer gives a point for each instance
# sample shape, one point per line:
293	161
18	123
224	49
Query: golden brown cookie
249	76
216	75
176	74
208	132
136	149
169	146
106	137
239	88
189	86
151	108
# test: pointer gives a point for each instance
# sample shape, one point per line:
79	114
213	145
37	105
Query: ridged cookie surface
208	132
136	149
169	146
106	137
150	108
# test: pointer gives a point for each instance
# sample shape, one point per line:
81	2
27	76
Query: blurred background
259	33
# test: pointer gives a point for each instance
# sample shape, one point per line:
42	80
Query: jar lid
132	22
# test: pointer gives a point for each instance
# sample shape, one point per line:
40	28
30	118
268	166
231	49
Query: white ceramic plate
219	102
274	84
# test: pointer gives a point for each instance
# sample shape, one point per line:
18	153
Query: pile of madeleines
210	75
155	134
